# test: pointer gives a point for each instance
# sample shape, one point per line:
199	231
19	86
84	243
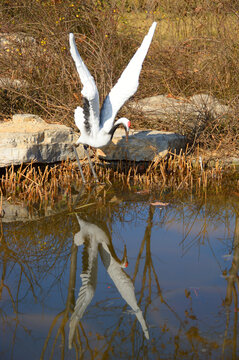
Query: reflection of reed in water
232	278
95	240
232	290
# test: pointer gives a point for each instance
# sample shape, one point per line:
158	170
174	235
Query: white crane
95	240
97	125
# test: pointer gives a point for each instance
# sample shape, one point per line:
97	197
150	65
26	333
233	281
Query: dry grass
195	49
56	185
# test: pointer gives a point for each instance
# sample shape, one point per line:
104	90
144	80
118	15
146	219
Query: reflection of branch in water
3	248
232	278
232	282
203	213
148	266
65	313
93	193
95	239
4	286
146	283
10	254
192	334
197	238
6	254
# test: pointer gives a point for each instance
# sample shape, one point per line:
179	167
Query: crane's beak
127	135
124	262
127	131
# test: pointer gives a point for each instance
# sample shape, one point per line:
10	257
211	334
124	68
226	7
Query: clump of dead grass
45	187
45	64
195	50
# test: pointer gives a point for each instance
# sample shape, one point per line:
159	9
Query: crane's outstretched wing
127	83
123	283
87	290
89	91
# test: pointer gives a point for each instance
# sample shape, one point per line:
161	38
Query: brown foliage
195	50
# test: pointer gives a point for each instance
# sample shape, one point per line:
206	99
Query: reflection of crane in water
96	240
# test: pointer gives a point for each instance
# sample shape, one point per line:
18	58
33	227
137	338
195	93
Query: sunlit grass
195	50
57	185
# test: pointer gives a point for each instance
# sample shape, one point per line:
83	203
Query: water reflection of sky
181	260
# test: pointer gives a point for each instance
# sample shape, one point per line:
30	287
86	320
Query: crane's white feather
97	127
127	84
89	91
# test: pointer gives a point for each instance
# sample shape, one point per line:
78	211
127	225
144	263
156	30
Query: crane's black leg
78	161
91	165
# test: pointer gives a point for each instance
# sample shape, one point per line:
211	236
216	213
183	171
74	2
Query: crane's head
125	122
122	121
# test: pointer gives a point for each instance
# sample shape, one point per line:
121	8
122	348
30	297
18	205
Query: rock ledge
29	138
142	145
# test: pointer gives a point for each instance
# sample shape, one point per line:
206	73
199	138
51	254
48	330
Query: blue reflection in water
179	261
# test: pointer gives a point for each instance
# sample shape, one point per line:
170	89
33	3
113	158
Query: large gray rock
10	40
13	83
20	212
29	138
142	145
13	212
183	115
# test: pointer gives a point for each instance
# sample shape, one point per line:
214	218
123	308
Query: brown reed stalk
34	186
1	202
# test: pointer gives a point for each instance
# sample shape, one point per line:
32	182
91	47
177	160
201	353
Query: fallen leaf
100	152
142	192
159	203
170	96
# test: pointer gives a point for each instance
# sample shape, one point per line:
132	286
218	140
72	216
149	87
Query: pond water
173	296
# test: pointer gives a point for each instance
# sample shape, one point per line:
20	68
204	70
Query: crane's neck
112	131
123	121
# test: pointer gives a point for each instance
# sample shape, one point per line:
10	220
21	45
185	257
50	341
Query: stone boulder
187	116
20	212
13	83
142	145
13	212
29	138
14	40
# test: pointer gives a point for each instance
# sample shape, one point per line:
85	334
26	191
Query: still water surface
173	297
